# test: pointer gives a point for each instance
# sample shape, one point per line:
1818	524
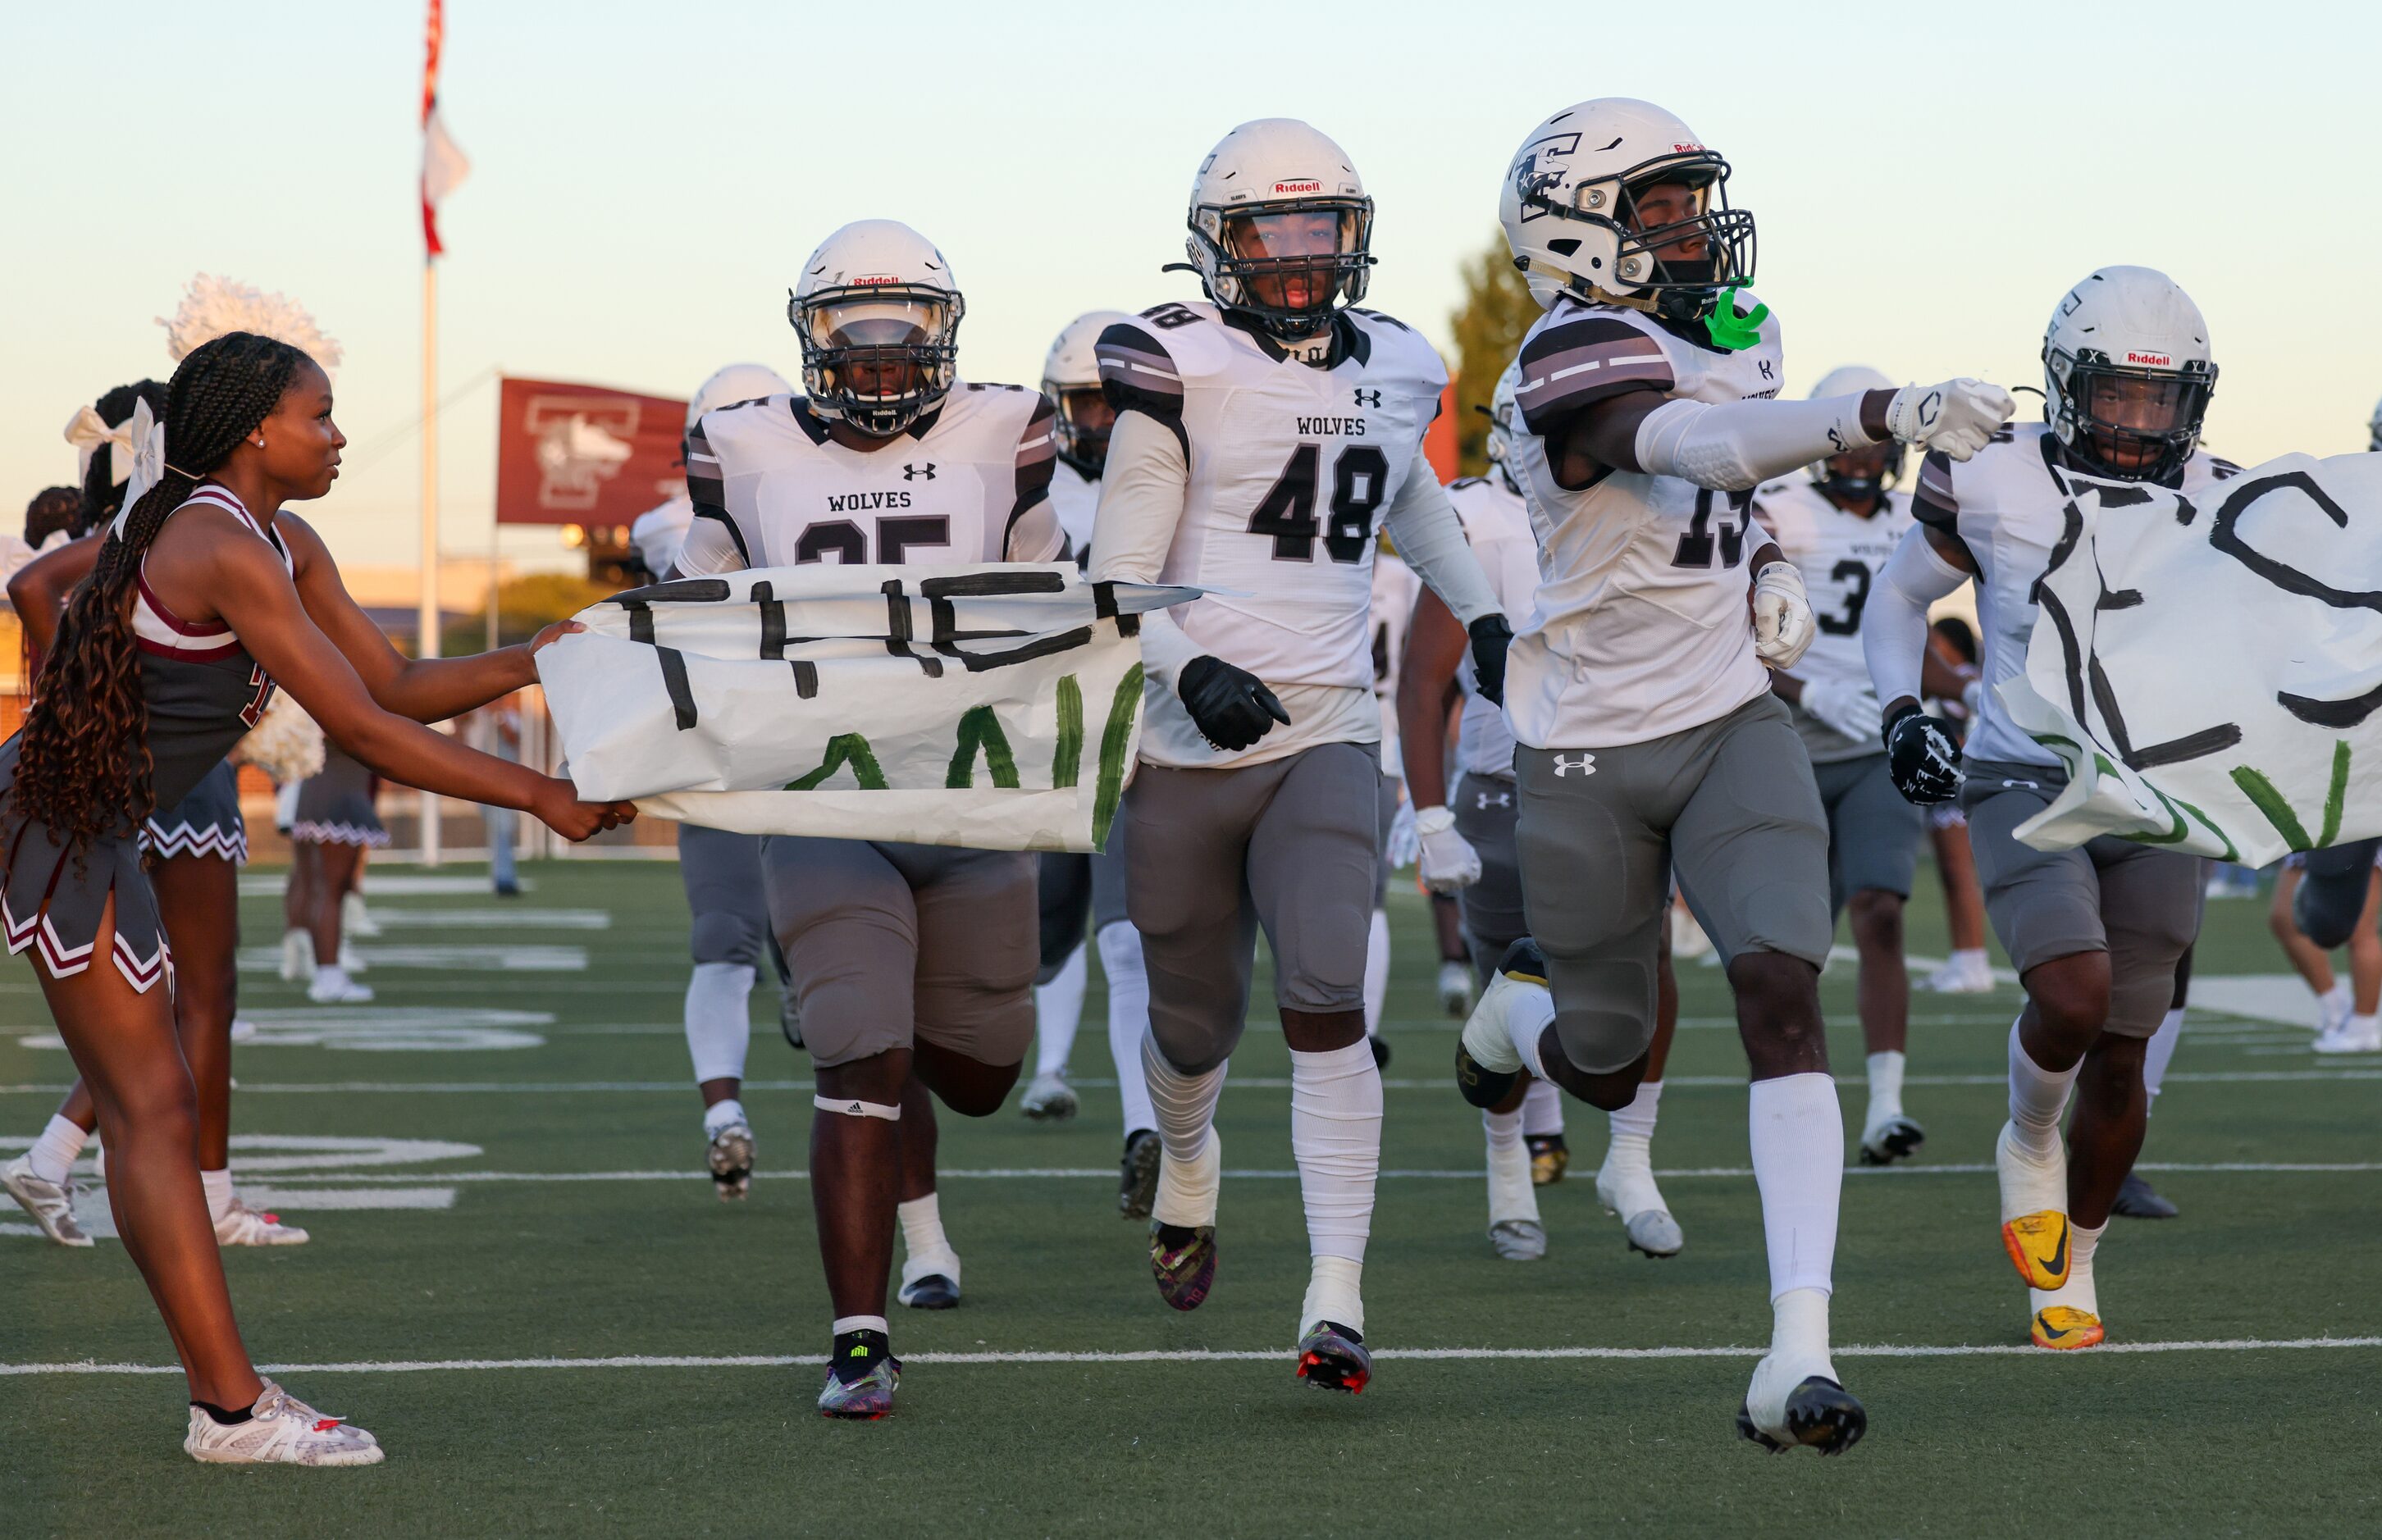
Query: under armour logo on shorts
1502	799
1585	765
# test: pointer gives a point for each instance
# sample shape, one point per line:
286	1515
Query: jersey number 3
1360	478
1696	546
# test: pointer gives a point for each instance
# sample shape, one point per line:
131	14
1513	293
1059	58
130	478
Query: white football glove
1782	616
1853	710
1403	847
1449	862
1955	417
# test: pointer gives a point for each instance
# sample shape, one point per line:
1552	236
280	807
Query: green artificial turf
2215	1440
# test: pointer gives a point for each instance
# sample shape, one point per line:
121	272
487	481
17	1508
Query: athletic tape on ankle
853	1109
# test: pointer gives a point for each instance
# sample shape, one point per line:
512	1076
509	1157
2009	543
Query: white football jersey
2007	506
1642	629
1292	466
658	534
1395	589
1840	554
968	482
1497	522
1074	497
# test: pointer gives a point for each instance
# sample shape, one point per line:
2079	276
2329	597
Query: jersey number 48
1360	478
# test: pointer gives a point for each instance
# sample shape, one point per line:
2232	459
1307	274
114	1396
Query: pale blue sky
647	178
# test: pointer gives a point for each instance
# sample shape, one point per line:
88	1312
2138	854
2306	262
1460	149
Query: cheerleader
205	592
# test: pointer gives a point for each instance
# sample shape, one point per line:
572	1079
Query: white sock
925	1249
1058	1012
1967	957
2037	1096
53	1152
1631	1132
2335	999
1377	976
719	1115
2160	1053
2079	1292
1529	1010
1798	1163
860	1322
1798	1329
1334	1291
1884	1085
219	1186
1128	1020
719	1019
1335	1137
1542	1110
1511	1196
1185	1109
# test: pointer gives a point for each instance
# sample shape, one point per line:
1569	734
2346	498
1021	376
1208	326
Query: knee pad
1604	1011
721	935
852	1107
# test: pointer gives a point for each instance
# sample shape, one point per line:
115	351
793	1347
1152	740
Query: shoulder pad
1137	370
1575	357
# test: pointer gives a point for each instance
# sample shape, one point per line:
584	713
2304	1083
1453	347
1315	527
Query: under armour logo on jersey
1368	397
1502	799
915	473
1585	765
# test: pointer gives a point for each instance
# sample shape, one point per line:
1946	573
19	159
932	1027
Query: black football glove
1920	758
1491	637
1230	706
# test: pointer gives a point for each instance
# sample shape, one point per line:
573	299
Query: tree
524	604
1488	328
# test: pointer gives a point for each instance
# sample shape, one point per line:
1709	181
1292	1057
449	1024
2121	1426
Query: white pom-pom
213	306
286	745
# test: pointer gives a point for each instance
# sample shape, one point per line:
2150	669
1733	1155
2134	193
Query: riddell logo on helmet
1685	149
874	279
2157	361
1308	185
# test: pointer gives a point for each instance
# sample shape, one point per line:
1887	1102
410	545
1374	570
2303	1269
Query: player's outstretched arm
1736	446
424	690
1423	525
256	598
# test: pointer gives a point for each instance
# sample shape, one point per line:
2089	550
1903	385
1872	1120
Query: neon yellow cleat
2064	1327
2034	1210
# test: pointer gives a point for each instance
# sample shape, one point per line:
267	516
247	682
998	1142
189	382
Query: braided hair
83	765
52	509
103	491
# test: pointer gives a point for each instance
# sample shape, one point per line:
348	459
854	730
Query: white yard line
1462	1355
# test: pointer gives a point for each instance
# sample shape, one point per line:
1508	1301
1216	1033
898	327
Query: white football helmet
2373	428
2126	373
879	313
1855	379
1570	212
737	382
1502	408
1071	380
1280	227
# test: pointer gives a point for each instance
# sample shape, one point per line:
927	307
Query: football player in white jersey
2095	933
912	965
1076	886
1468	850
729	932
1261	438
1640	695
1838	524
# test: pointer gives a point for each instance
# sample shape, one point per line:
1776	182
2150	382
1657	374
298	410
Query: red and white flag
444	166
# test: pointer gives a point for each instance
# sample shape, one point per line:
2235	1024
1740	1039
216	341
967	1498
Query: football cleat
2035	1209
1961	973
1487	1066
2137	1199
1138	1176
2064	1327
1456	989
931	1291
243	1029
242	1226
297	957
1891	1138
331	986
1519	1240
1332	1357
1048	1100
867	1396
280	1430
1550	1158
730	1157
1183	1261
2358	1035
1630	1191
1809	1412
50	1203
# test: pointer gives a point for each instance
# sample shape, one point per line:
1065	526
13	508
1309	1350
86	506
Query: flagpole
426	618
